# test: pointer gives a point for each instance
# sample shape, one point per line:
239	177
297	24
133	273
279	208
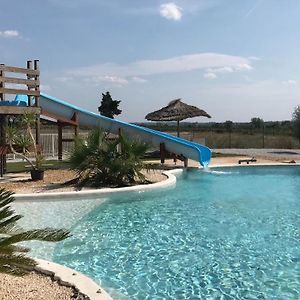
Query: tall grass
240	140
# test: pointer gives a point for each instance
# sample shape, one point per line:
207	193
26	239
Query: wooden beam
36	66
29	77
59	144
19	70
75	118
4	149
19	110
2	143
59	119
28	82
2	85
67	140
19	91
162	150
186	162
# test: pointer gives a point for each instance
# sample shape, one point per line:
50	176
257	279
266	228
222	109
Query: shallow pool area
231	233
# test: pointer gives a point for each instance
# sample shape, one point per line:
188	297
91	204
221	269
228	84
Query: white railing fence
49	143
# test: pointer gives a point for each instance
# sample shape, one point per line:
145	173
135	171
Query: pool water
232	233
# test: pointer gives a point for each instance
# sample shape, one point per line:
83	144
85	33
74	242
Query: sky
234	59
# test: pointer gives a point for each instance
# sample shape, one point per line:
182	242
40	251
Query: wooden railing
31	83
29	86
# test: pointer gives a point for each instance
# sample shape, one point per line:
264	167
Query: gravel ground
277	154
53	180
35	286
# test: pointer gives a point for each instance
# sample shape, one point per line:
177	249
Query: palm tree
100	161
13	259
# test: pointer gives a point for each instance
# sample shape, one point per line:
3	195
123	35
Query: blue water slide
173	144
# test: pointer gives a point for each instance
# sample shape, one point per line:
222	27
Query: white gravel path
32	287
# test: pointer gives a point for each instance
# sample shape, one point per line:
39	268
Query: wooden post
29	66
178	135
2	131
263	136
186	162
2	143
76	128
59	145
37	104
162	150
119	146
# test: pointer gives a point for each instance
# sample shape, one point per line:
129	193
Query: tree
13	259
228	125
296	121
109	107
99	161
257	123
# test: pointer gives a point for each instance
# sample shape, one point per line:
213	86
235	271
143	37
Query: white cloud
231	69
9	33
110	79
210	76
138	79
211	62
290	82
170	11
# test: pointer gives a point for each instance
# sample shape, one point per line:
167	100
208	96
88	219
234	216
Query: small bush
100	161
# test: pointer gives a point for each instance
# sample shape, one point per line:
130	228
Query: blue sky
235	59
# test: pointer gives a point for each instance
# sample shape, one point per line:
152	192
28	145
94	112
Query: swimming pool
232	233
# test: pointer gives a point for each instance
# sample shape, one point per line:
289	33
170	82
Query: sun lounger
247	160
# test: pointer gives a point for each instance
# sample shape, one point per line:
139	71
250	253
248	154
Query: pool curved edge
88	194
268	164
72	278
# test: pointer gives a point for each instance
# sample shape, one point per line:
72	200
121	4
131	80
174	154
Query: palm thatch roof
176	110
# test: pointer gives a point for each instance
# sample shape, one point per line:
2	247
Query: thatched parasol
176	110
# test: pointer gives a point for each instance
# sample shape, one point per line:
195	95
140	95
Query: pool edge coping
255	165
75	195
68	277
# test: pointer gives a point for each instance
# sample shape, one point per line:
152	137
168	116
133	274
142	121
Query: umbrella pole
178	128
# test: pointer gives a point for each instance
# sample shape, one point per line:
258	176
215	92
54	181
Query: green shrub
100	161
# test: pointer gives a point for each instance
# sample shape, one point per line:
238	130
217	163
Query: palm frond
47	235
5	197
12	257
98	161
7	225
18	265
